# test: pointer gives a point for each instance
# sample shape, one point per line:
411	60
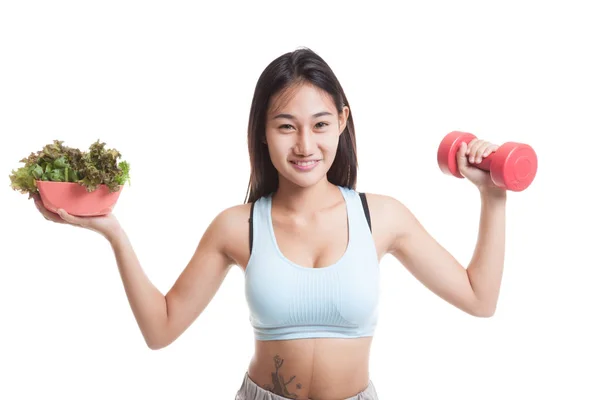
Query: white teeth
305	163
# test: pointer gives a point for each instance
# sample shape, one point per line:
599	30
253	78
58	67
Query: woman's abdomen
312	368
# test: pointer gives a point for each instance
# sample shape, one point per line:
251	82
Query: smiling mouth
305	166
305	163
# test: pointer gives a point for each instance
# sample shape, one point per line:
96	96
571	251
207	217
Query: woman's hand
474	153
106	225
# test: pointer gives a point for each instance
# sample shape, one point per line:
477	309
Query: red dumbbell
512	166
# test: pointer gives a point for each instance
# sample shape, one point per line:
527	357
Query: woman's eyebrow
290	116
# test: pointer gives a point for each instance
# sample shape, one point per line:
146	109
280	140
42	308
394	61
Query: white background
169	84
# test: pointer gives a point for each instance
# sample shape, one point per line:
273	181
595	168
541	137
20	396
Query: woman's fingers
71	219
472	149
478	149
49	215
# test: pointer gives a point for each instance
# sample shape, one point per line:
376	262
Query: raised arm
474	289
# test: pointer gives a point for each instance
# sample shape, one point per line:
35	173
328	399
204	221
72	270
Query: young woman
310	245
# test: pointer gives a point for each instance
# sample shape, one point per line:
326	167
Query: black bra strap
250	221
363	199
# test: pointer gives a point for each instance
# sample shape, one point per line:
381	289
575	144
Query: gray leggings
251	391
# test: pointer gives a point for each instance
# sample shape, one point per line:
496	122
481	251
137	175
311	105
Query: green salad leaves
59	163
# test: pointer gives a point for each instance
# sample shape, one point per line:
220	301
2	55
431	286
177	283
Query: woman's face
302	133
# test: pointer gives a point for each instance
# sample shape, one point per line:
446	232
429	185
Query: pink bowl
75	199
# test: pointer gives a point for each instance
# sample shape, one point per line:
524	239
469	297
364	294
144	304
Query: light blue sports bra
289	301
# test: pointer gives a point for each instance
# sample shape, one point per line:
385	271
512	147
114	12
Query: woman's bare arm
163	318
473	289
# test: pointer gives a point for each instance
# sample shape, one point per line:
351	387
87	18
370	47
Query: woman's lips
305	165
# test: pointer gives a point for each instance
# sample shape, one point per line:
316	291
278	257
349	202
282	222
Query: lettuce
59	163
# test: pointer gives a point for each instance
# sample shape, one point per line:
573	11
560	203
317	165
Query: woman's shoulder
380	201
388	214
386	205
233	218
231	226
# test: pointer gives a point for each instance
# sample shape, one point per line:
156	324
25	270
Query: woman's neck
296	199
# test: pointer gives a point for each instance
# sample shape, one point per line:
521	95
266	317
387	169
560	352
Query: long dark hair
301	65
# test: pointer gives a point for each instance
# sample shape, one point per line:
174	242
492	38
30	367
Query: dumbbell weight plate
514	166
447	150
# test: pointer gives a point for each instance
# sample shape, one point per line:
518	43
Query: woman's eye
318	125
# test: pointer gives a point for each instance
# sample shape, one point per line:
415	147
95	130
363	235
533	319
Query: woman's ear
343	119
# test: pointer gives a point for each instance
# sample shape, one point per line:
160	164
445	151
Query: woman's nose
304	142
